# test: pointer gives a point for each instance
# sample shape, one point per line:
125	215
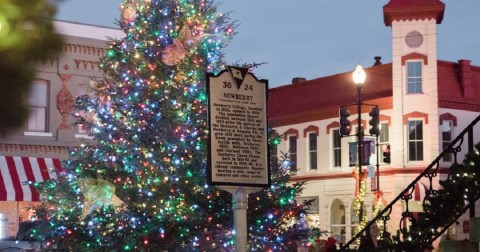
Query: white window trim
406	76
381	144
83	136
41	134
309	151
47	114
332	150
294	164
407	152
452	137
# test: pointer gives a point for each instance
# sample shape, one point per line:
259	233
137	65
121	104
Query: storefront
17	195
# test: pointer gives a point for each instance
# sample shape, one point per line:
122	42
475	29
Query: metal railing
455	147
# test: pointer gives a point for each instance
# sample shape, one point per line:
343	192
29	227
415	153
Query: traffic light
345	124
386	154
375	121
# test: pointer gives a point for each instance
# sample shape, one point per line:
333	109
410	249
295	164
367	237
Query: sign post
238	152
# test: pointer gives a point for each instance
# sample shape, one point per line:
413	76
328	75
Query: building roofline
87	31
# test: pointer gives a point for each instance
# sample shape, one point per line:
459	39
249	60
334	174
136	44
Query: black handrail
430	172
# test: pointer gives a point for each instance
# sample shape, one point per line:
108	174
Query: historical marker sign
238	129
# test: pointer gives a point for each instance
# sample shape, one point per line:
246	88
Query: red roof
413	10
458	86
321	98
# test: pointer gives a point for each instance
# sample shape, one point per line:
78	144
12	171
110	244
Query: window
337	221
38	103
314	207
312	146
82	129
414	77
273	153
367	146
446	128
415	140
292	150
383	139
337	148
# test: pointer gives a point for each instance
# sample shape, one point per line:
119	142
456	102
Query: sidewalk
11	245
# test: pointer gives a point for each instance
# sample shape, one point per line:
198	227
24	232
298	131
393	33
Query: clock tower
414	134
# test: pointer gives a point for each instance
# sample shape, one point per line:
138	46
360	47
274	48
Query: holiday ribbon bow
359	178
98	193
176	52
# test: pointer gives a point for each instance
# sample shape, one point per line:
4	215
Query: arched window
337	220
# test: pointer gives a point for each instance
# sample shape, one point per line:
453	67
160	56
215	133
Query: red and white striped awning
419	192
16	173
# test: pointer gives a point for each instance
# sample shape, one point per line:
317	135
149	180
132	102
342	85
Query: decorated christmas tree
141	183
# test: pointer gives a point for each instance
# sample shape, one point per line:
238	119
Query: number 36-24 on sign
237	129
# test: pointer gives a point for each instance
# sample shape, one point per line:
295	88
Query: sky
310	38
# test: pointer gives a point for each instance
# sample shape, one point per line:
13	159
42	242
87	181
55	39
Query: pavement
17	246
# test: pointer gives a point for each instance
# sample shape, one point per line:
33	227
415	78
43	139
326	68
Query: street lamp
359	77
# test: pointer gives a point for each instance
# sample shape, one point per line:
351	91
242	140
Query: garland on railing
445	205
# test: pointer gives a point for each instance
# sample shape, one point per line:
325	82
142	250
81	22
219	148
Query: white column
240	206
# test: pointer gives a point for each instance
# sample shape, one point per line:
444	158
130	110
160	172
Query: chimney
465	78
377	61
297	80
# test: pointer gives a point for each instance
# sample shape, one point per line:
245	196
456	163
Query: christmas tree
142	184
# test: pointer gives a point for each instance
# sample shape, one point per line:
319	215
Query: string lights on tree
142	183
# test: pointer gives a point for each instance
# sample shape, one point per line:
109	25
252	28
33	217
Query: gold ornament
176	52
98	193
100	90
129	11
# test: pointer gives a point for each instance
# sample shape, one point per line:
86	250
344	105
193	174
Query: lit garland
379	202
360	193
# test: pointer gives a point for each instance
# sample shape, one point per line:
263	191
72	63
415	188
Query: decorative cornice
290	132
332	125
448	116
402	10
460	104
415	56
386	118
49	61
83	49
87	65
33	149
309	129
415	114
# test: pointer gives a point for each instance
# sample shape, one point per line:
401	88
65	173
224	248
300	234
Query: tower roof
413	10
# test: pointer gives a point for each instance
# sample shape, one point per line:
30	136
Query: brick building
424	103
34	152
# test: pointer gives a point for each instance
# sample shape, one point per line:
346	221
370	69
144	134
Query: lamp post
359	77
